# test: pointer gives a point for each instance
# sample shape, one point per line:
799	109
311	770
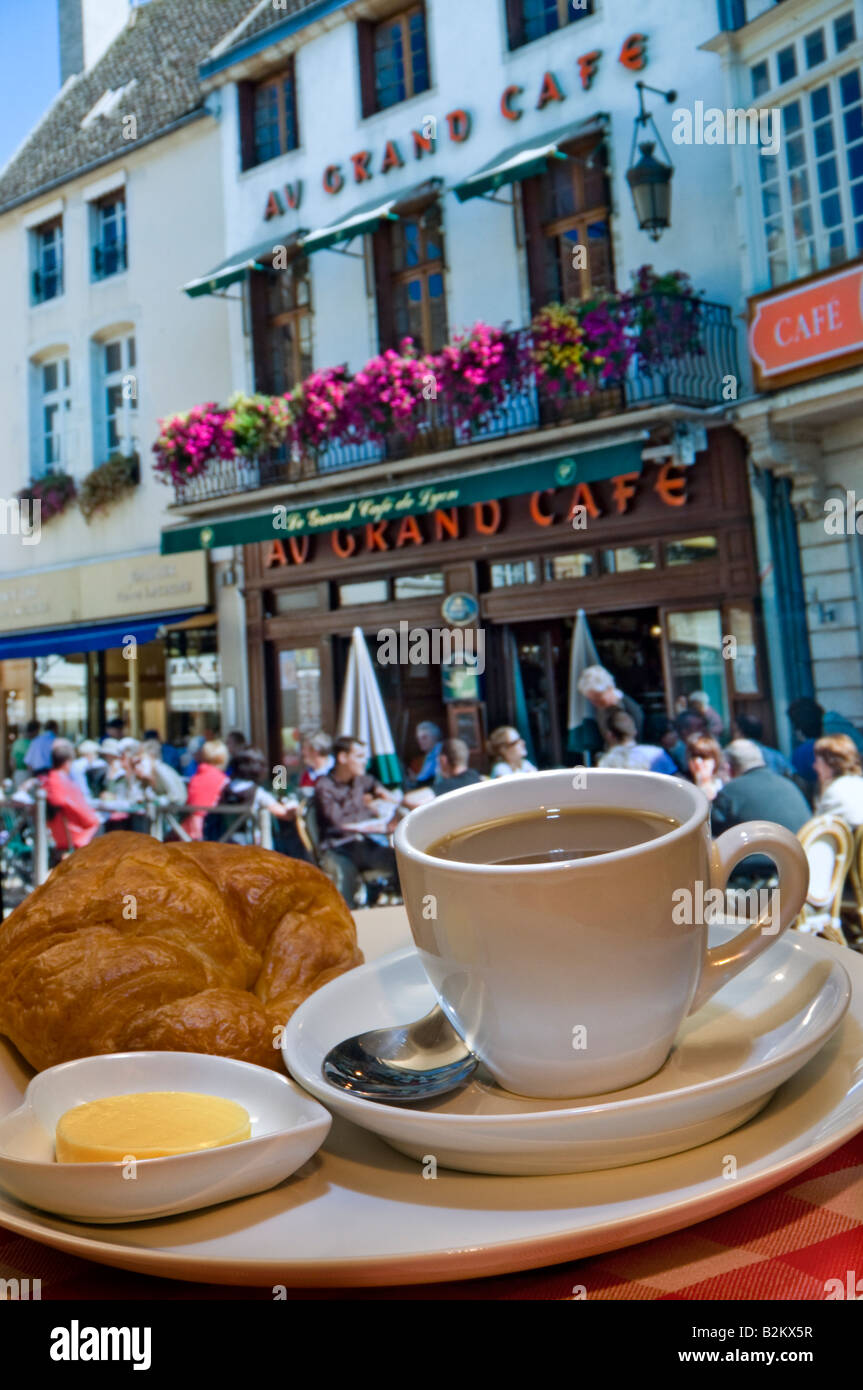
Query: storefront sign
809	329
460	609
111	589
456	125
560	505
292	524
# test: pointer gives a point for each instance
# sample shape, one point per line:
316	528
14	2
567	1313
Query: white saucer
287	1127
359	1215
728	1061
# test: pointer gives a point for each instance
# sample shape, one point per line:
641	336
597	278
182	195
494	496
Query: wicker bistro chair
828	844
357	886
855	909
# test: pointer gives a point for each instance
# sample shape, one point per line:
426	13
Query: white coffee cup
572	979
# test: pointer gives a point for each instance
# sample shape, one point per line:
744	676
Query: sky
29	67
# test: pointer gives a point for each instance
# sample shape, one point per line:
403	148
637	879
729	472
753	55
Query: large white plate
727	1061
360	1214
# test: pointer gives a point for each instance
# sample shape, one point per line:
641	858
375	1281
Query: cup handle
722	963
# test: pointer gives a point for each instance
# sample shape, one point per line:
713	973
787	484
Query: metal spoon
411	1062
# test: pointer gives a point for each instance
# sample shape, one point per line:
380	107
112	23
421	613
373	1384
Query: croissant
136	945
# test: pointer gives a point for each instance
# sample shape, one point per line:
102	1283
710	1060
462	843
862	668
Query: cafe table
786	1244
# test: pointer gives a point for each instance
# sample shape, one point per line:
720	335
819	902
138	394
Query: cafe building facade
363	206
800	222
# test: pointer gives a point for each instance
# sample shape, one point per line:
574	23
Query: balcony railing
109	258
694	378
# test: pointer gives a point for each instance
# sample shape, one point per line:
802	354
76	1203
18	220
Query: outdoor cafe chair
828	844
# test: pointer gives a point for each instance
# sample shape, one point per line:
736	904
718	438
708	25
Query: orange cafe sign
811	328
570	507
363	165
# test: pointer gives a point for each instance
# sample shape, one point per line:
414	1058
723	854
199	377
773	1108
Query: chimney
87	28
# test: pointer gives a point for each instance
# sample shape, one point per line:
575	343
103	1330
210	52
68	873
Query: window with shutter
533	19
409	270
393	57
568	232
268	117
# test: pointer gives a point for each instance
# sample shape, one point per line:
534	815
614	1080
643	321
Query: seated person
85	767
508	752
706	764
840	783
747	726
756	793
244	791
454	770
625	751
671	742
71	819
318	760
206	784
345	826
428	737
154	773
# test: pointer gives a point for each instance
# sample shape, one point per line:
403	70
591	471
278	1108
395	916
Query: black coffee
552	836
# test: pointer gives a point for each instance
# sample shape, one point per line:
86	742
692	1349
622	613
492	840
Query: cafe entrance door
629	645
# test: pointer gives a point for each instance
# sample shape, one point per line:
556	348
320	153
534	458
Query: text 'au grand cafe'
645	548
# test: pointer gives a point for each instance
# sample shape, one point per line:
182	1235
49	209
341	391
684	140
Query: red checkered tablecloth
784	1245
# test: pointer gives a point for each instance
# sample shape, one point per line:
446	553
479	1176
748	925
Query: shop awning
524	160
367	217
415	499
237	267
84	637
198	620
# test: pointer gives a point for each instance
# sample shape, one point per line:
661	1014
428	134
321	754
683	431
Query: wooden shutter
292	78
259	317
246	111
366	52
382	255
531	196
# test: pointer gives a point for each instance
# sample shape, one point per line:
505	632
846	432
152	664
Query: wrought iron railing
693	377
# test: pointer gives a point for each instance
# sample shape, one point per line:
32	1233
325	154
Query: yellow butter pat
149	1124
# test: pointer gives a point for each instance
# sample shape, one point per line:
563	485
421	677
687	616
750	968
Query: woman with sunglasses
508	751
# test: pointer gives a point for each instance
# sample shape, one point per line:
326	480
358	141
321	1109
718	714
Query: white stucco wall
175	227
470	67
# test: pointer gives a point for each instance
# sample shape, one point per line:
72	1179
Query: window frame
825	256
60	400
298	317
422	272
39	249
127	410
540	230
367	31
289	130
566	15
386	276
100	219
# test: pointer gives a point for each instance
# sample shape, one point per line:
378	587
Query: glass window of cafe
176	684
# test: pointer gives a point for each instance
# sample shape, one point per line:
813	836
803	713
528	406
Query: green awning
524	160
415	499
237	267
366	218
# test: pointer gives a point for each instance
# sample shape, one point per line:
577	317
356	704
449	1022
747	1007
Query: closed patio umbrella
518	700
583	731
363	716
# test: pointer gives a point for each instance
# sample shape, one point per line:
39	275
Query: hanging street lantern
650	179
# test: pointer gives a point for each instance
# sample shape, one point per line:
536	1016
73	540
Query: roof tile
161	48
